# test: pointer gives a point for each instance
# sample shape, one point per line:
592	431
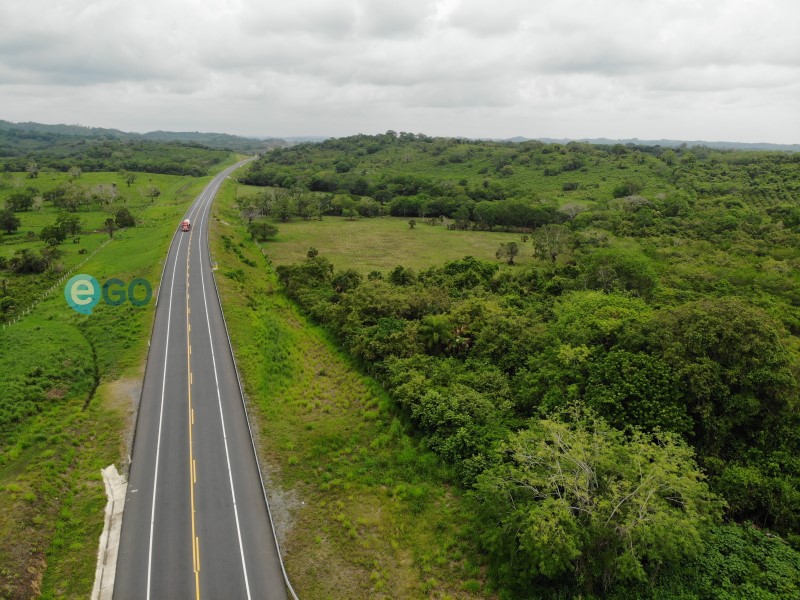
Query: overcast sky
680	69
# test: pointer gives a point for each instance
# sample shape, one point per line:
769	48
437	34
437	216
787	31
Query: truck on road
185	225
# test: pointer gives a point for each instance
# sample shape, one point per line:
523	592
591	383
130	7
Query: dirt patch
283	504
56	394
36	572
122	396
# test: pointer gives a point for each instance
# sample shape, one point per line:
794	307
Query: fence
56	286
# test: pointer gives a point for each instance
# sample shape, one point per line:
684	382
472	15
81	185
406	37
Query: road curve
196	522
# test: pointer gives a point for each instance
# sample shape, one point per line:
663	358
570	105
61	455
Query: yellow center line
192	464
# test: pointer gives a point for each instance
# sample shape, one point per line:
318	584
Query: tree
305	207
70	224
588	499
669	157
74	172
110	226
368	207
20	201
402	276
345	281
739	378
619	269
152	192
436	332
124	218
412	223
284	208
627	188
128	177
52	234
248	208
9	222
551	240
572	210
637	390
66	197
312	252
485	214
265	201
461	215
262	231
32	169
508	251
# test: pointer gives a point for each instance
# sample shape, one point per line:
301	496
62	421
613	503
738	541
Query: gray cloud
582	68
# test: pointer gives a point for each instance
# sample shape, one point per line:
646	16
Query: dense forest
624	411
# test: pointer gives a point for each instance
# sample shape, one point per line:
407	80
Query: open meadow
381	244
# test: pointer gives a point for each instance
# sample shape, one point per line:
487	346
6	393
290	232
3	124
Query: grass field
383	243
68	388
362	510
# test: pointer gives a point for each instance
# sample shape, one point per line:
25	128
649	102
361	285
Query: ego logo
83	292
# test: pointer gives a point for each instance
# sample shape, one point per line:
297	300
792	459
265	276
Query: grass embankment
363	511
68	388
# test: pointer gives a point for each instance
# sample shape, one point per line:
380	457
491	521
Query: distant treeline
53	134
31	151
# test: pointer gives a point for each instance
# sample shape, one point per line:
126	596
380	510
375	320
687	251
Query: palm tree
436	332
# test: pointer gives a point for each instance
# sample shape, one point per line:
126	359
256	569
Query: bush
261	231
52	234
124	218
28	261
628	188
620	270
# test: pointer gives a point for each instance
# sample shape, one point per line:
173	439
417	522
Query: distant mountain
219	141
665	143
73	130
299	139
216	140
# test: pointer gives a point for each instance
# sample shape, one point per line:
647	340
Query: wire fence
56	286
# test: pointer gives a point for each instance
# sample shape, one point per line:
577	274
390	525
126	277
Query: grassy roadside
80	376
362	510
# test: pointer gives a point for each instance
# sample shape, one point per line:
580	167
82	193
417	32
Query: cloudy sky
680	69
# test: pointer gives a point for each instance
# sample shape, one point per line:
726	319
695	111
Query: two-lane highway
196	522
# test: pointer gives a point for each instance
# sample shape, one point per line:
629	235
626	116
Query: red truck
185	225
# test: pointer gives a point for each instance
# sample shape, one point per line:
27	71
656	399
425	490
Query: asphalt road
195	523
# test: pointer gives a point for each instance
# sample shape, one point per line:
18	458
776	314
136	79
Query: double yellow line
192	464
